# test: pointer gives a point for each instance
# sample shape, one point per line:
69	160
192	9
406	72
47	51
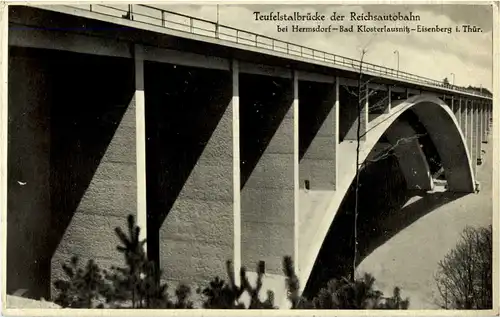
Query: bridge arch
444	132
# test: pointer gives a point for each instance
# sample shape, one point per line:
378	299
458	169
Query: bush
464	276
343	294
138	285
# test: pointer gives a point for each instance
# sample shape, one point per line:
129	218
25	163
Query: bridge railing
180	22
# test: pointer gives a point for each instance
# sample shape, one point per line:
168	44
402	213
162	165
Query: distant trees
465	275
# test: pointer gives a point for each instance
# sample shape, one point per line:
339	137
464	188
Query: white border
100	312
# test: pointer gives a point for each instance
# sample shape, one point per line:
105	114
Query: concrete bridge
225	144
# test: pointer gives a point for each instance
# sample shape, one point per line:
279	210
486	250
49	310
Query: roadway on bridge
409	259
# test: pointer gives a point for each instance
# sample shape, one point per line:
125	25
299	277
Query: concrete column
296	185
474	133
364	114
480	123
469	128
478	126
337	128
140	134
490	116
484	117
235	106
389	91
463	119
457	104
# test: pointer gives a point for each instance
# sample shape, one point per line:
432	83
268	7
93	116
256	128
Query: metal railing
180	22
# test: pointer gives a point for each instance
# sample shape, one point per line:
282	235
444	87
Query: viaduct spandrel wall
228	157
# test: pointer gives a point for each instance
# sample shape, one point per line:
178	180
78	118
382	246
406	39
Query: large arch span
443	130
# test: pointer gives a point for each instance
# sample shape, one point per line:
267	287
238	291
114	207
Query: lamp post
397	53
453	80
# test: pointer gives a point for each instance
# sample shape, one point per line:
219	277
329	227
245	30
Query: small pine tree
221	295
84	285
138	284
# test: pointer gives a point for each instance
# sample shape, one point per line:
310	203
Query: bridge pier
474	132
268	151
469	132
484	116
479	132
457	105
464	119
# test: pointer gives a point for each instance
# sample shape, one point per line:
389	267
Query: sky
433	55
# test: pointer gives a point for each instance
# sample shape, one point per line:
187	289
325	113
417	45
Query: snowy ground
409	259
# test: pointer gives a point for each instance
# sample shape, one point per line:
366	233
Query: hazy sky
434	55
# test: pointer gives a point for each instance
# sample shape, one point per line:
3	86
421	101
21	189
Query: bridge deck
179	25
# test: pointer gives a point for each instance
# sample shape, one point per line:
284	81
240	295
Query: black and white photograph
269	155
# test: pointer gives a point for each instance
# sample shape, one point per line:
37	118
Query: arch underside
444	132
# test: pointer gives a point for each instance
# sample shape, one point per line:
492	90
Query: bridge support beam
490	116
410	156
464	119
479	134
140	118
235	108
